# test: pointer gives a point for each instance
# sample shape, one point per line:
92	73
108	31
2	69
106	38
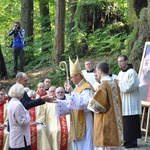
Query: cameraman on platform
18	45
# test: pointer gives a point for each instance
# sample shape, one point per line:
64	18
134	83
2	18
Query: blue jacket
18	41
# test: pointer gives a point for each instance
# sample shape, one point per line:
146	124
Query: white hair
16	91
31	93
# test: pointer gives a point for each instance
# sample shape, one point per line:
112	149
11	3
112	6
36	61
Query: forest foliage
93	29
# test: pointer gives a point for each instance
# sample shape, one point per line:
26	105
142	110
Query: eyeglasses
73	76
32	97
51	91
60	92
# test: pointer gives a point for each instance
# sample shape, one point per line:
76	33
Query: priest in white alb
88	74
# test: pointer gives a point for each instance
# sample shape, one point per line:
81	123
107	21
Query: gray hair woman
19	120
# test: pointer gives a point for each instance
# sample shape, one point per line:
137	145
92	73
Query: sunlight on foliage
99	28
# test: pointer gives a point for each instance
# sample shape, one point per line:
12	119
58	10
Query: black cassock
3	71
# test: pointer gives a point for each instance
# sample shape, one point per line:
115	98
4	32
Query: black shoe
132	144
125	143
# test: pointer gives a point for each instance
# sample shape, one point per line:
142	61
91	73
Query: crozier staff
78	101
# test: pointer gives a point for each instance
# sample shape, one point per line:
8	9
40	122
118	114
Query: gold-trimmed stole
79	115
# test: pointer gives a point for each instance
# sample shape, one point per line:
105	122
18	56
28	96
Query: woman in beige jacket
19	120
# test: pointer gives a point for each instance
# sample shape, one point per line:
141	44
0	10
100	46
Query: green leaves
108	40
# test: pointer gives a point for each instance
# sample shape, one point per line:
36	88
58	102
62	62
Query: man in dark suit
22	78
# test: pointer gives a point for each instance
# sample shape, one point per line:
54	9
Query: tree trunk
143	35
72	10
59	31
148	5
45	23
71	38
27	24
138	5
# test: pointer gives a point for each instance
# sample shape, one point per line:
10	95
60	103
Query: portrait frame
144	74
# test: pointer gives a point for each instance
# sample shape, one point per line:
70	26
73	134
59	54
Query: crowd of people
102	112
